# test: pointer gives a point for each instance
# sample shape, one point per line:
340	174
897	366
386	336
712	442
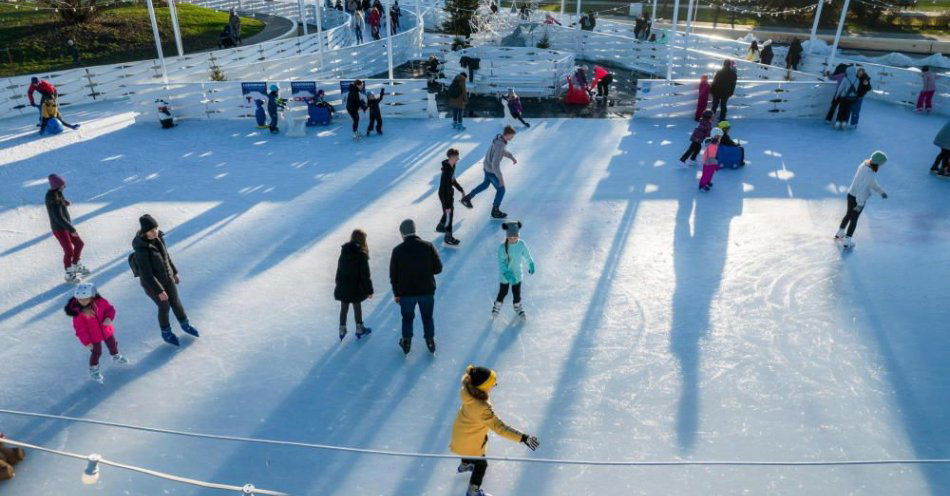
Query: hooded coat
475	417
848	86
496	152
90	328
942	139
459	102
512	259
724	83
353	282
156	269
56	204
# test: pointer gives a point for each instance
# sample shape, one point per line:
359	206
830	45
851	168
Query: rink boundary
552	461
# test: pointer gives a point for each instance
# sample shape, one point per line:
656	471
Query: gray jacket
496	152
943	137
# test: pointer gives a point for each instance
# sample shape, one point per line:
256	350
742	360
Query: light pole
834	47
158	40
814	26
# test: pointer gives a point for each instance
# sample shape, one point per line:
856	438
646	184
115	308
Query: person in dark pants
846	94
375	116
412	269
603	86
159	277
794	56
353	282
447	186
723	87
274	103
861	186
941	165
355	104
472	423
703	128
61	225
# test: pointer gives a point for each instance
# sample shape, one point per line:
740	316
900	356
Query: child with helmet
92	320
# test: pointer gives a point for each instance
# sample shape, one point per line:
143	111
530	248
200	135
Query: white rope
154	473
407	454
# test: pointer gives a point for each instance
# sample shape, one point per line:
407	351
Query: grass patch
35	41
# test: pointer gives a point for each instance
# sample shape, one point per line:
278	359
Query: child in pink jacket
92	320
710	163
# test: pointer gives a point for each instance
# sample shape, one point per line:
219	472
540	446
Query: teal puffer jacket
512	259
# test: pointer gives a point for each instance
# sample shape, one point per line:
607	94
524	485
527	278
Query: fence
659	98
224	100
109	82
530	71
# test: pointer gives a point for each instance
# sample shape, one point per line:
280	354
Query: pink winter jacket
89	329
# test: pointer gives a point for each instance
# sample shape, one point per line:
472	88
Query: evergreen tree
460	16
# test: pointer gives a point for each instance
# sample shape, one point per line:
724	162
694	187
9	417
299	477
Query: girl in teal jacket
513	256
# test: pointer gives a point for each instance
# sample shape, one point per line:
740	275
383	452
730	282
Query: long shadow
471	159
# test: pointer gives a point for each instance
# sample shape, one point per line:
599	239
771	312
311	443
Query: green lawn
35	41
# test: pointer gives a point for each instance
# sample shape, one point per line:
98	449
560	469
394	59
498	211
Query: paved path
274	27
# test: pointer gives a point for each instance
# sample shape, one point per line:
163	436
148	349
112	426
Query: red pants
97	350
925	100
72	246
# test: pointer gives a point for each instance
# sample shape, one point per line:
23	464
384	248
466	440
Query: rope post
814	26
671	41
834	47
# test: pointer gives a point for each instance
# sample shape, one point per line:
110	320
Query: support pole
578	10
653	12
320	40
672	41
689	22
302	12
389	40
175	29
562	9
814	26
158	40
834	47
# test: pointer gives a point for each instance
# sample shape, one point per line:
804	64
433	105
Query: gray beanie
512	229
407	228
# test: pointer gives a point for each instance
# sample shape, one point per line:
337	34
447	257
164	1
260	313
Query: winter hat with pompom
512	229
56	182
878	157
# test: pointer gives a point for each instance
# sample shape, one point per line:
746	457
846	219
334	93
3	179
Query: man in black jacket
159	277
723	86
412	269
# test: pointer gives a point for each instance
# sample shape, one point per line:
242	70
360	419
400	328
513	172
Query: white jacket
863	182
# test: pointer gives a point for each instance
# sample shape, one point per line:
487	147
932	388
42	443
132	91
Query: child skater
92	320
470	430
373	101
514	105
696	139
710	163
274	103
447	186
861	186
513	254
63	230
353	282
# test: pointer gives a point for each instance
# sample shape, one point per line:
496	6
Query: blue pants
359	36
856	111
407	305
493	180
457	115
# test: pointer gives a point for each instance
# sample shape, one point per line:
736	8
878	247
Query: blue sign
252	92
303	90
345	87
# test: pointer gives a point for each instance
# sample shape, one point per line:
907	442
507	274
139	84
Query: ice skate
466	202
72	277
495	310
362	330
839	234
450	240
405	344
848	243
188	329
475	491
81	269
440	228
692	163
496	213
95	375
342	332
465	467
357	136
119	359
430	343
519	309
170	337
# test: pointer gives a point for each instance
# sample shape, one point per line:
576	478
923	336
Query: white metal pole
562	9
672	41
419	13
389	39
814	26
303	16
319	10
834	47
175	29
578	10
653	12
158	40
689	21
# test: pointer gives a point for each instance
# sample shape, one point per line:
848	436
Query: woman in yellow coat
474	419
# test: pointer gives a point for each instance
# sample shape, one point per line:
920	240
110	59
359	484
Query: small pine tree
544	42
460	16
217	74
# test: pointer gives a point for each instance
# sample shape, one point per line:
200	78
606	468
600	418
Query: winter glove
530	441
531	268
858	208
884	195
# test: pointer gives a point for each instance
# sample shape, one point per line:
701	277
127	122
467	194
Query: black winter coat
864	85
354	102
373	104
59	219
156	269
446	184
766	55
724	83
413	266
353	282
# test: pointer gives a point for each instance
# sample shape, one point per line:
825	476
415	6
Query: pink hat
56	182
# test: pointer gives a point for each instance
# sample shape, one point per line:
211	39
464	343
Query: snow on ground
663	323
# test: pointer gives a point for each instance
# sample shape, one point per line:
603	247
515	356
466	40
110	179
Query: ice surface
663	323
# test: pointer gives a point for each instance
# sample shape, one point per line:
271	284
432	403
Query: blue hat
34	79
274	87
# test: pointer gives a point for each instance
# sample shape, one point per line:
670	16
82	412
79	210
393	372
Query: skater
794	55
861	186
838	76
92	320
458	99
941	164
727	141
373	19
766	55
447	186
49	110
373	101
514	105
710	163
638	25
513	255
470	429
394	14
412	269
353	282
723	87
753	54
8	458
702	99
603	86
61	225
846	94
158	276
354	105
274	103
45	89
696	139
356	23
492	167
926	97
864	86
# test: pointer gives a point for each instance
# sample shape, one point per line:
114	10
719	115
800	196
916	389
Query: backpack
455	89
132	265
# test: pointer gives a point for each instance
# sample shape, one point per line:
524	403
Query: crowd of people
364	12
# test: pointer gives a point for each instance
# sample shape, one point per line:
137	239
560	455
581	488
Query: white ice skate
692	163
519	309
72	276
80	269
119	359
357	136
95	375
848	243
495	310
840	234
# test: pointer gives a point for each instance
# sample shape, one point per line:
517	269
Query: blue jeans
457	115
359	35
856	111
407	305
493	180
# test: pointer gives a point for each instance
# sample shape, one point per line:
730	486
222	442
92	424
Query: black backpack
132	265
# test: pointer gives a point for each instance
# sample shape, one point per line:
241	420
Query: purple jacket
701	132
514	105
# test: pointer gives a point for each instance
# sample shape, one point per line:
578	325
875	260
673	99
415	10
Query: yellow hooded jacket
49	109
470	431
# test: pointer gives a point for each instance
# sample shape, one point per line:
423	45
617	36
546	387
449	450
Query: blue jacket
511	261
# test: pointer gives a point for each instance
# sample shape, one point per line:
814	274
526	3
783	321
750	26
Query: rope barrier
552	461
133	468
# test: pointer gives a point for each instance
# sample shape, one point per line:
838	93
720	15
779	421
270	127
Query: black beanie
479	375
147	223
